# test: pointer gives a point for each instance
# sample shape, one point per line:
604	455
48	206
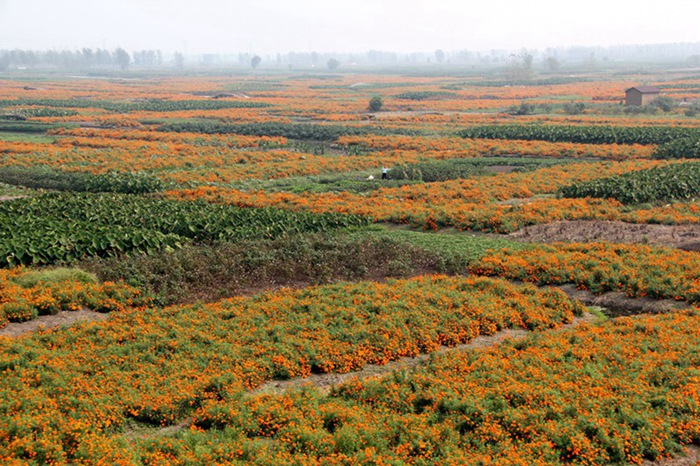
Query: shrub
574	108
54	276
664	103
524	108
375	104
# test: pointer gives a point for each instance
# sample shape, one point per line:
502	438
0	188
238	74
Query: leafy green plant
427	95
152	105
452	169
583	134
49	178
683	148
672	182
302	131
65	227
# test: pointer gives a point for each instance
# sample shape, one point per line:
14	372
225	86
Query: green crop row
133	106
41	112
65	227
683	148
672	182
427	95
452	169
583	134
111	182
25	127
303	131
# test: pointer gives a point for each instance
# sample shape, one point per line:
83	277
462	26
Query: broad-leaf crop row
683	148
666	183
303	131
583	134
48	178
64	227
453	169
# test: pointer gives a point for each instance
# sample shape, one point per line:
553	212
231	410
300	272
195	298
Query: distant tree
179	60
88	56
333	64
664	103
692	111
440	55
103	57
122	58
4	61
375	104
255	61
552	64
521	66
574	108
525	108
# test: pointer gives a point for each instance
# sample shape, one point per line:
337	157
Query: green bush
211	272
664	103
375	104
574	108
58	275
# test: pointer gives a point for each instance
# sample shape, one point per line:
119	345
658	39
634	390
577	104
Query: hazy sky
267	26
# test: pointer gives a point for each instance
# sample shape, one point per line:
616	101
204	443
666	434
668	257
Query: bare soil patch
63	318
689	457
10	198
502	168
584	231
618	304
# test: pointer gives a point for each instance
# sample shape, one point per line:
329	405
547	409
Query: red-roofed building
641	95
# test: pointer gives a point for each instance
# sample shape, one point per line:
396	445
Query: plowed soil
585	231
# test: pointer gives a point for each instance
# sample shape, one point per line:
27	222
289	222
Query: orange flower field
357	295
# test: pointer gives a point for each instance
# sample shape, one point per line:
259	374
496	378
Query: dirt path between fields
10	198
325	382
617	304
584	231
63	318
